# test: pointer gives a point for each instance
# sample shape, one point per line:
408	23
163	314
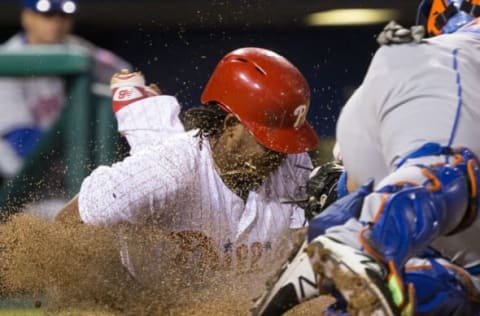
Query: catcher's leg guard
410	216
441	288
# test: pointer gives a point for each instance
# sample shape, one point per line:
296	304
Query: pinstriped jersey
170	181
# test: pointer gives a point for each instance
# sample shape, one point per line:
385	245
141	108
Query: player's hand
129	87
394	33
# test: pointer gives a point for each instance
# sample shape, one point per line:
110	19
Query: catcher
406	245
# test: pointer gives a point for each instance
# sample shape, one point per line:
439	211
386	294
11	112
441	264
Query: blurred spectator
29	106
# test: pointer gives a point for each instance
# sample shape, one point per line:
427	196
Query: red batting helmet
268	95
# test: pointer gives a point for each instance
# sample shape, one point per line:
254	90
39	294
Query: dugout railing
83	137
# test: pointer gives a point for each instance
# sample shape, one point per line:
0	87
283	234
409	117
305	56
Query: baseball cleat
292	284
368	287
128	87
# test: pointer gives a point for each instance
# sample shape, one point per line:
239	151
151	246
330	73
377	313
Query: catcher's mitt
322	188
394	33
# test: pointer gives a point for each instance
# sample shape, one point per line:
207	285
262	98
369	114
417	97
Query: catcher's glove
394	33
322	188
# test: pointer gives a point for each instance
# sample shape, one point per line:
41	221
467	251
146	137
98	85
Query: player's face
45	28
245	157
254	155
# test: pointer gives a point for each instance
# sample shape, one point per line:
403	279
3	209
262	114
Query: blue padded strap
409	221
429	149
411	216
438	292
339	212
342	185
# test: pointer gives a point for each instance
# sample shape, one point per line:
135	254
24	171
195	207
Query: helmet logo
301	114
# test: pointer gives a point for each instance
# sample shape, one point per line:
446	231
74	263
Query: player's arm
145	117
149	121
139	186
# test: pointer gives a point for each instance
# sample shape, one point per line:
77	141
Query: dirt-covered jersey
170	181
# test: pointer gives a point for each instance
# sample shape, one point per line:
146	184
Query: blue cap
51	6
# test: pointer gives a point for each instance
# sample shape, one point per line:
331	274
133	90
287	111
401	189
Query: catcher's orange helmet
446	16
268	95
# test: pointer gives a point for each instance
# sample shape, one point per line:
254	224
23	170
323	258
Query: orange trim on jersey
471	174
458	159
393	273
366	246
407	182
411	295
436	184
418	268
384	198
381	207
370	250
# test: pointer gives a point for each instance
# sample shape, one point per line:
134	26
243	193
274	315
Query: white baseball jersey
170	181
410	96
36	102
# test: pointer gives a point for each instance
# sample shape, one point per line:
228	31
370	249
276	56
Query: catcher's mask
268	95
446	16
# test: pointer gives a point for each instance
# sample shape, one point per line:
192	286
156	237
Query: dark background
178	43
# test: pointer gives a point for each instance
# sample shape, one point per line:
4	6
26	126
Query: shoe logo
372	264
303	280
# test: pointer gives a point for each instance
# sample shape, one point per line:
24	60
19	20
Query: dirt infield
78	268
310	308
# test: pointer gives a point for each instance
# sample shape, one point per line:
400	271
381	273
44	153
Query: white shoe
294	283
359	278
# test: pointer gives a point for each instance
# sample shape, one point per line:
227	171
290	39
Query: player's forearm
102	196
123	192
150	121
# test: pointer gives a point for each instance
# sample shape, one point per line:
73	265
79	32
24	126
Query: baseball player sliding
223	179
404	243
